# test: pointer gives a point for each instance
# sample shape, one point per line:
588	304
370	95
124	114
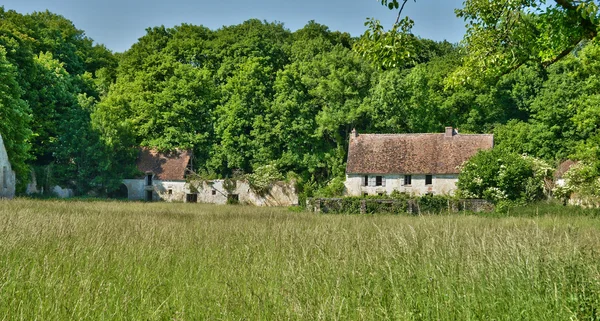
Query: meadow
157	261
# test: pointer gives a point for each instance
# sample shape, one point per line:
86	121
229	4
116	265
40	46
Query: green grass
135	261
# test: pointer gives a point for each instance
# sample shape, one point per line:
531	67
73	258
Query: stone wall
170	191
417	205
7	175
214	192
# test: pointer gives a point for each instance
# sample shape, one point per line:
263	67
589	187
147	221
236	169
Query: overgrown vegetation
256	94
499	175
134	261
398	204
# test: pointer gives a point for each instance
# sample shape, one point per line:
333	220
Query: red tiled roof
563	168
413	153
166	167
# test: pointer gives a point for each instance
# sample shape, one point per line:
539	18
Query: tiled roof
413	153
563	168
164	166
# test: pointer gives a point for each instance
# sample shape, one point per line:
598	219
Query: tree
501	35
15	115
391	48
507	34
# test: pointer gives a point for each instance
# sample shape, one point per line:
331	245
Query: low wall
396	206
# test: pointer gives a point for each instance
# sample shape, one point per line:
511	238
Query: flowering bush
582	178
497	175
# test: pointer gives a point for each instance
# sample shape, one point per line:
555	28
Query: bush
497	175
335	188
263	178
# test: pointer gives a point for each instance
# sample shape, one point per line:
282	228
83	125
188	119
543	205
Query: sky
118	24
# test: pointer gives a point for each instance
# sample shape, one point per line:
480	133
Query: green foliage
499	175
583	179
505	35
252	94
263	178
334	188
15	120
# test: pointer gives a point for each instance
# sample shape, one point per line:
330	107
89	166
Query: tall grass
133	261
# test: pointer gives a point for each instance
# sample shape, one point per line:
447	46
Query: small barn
7	175
416	164
163	176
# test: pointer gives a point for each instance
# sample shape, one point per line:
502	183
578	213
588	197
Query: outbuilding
163	176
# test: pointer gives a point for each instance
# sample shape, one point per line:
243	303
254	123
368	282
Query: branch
562	54
587	24
400	12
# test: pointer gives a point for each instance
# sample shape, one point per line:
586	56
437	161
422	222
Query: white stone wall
7	175
213	192
62	192
441	185
170	191
281	194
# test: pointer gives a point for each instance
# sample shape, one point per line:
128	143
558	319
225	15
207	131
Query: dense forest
255	94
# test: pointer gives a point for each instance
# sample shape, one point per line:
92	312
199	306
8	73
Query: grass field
134	261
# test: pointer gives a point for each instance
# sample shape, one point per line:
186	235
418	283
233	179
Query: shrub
263	178
497	175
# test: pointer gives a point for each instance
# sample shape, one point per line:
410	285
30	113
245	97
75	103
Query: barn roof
413	153
165	166
563	168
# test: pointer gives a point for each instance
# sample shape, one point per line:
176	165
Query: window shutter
383	181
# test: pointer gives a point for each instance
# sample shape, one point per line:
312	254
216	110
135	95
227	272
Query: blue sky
119	23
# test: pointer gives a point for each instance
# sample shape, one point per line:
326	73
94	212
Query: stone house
7	175
163	176
416	164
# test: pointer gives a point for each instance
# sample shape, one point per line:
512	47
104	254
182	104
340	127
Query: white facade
212	192
7	175
358	185
170	191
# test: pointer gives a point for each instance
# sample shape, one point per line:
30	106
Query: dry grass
132	261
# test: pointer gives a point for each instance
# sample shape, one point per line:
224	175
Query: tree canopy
256	94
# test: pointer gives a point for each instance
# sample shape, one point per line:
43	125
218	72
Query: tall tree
15	115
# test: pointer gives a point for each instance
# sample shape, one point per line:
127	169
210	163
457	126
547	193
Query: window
191	198
407	180
214	192
371	181
428	179
378	180
170	192
366	180
149	179
148	196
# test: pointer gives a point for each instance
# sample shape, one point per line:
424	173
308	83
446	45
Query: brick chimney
450	132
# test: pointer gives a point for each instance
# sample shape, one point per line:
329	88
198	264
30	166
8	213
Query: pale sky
118	24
